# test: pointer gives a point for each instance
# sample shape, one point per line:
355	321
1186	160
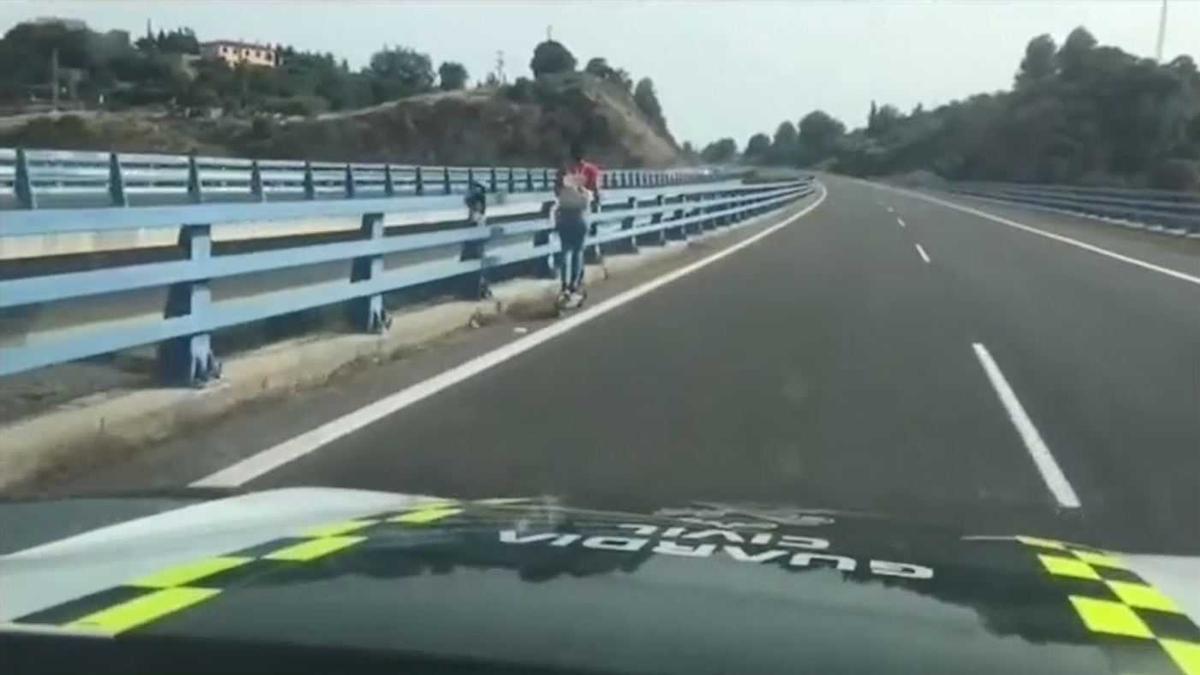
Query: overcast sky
722	68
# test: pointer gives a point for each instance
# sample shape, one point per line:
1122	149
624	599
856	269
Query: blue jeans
572	232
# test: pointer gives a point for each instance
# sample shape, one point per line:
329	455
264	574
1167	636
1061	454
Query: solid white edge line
1049	235
298	446
924	255
1053	476
901	221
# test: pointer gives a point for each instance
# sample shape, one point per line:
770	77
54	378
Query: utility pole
1162	32
500	75
54	79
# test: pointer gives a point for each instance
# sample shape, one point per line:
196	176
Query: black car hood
533	584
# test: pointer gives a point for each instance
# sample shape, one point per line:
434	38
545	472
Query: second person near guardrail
577	189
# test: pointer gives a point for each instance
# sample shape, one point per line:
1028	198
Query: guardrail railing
1176	212
31	179
448	250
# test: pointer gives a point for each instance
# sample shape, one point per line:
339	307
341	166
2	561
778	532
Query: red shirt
591	175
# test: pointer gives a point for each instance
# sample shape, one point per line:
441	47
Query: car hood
536	584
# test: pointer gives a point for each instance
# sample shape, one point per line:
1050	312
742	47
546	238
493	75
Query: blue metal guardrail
1173	212
458	249
31	179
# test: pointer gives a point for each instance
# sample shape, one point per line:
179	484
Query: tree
521	90
783	144
647	101
757	147
1039	62
401	71
1082	113
179	41
1074	52
785	136
623	78
719	152
599	67
882	120
551	57
819	133
451	76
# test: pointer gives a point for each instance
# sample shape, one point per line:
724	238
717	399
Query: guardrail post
492	179
256	183
679	232
511	181
480	288
350	187
591	252
418	182
657	237
194	189
368	312
529	180
310	188
24	185
389	183
545	179
189	359
704	222
446	180
718	220
545	265
470	178
116	181
629	244
736	214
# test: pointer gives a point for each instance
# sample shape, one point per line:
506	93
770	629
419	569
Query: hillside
1077	113
528	123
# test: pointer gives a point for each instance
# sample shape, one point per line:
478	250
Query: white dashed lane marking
924	255
1054	477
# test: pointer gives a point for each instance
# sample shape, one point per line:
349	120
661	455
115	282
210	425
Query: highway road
985	365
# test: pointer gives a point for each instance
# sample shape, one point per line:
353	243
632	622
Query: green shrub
1175	174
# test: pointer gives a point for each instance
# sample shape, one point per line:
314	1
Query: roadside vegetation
1079	112
160	92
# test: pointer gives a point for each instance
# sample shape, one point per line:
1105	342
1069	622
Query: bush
451	76
520	91
551	57
262	127
1176	174
68	131
293	106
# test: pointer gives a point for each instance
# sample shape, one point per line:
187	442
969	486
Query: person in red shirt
577	187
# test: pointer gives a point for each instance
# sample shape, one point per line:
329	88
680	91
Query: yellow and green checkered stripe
1114	601
144	600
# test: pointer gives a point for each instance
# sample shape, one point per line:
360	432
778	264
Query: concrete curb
90	429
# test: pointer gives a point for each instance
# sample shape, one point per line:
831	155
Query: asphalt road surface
882	353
